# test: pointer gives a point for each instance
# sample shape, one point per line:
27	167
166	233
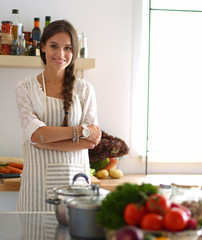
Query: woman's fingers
95	133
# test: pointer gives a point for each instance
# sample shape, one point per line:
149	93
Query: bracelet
74	135
77	131
41	137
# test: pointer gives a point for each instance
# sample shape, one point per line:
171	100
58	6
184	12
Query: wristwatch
85	131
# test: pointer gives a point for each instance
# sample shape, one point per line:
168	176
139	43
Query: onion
192	224
129	232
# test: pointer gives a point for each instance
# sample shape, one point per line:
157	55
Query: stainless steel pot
82	219
66	193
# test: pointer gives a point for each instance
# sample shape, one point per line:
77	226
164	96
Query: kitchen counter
31	226
110	184
10	184
155	179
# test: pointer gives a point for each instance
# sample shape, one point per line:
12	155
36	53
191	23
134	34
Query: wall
109	27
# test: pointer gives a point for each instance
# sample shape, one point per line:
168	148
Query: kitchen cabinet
8	201
31	226
8	61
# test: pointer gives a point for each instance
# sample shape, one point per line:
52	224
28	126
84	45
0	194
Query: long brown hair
57	27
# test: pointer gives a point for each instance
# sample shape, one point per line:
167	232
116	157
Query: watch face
85	132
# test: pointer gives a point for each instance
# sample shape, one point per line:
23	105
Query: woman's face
58	50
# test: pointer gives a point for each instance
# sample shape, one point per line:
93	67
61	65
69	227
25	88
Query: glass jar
7	37
190	197
181	193
165	190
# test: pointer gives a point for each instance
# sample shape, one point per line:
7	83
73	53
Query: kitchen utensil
10	175
82	218
66	193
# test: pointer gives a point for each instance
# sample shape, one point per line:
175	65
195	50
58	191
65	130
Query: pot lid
86	203
74	190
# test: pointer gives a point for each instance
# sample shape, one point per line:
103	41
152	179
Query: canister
7	37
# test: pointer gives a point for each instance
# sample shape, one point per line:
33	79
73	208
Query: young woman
59	120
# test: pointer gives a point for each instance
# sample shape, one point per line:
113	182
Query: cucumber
100	164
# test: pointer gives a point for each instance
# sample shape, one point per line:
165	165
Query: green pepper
100	164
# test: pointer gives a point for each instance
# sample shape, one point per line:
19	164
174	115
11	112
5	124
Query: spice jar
165	189
7	37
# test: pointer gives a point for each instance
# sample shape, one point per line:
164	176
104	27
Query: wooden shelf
7	61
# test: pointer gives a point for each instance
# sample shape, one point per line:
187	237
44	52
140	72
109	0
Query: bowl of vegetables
140	212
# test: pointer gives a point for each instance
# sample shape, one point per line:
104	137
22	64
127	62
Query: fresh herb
110	215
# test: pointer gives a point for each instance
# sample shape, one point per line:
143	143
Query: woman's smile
59	61
58	50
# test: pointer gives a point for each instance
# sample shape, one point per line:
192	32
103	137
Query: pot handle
96	190
80	175
55	201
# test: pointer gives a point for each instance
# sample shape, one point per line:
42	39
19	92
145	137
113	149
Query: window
174	116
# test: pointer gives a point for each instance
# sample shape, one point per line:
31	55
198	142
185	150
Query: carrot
17	165
4	170
111	164
14	169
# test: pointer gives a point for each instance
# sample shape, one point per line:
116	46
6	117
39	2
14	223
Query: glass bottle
36	31
27	47
47	20
34	50
27	36
17	24
15	48
83	46
80	45
22	44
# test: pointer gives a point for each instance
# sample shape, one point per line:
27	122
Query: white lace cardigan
30	100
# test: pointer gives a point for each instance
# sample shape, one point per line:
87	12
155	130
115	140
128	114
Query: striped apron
41	226
48	169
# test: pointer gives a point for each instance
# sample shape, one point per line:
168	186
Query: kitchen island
32	226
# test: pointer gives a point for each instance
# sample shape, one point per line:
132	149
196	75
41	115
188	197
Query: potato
102	174
115	173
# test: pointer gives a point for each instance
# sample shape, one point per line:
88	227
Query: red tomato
133	213
187	210
175	219
157	203
152	221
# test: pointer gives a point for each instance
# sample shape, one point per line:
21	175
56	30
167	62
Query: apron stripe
47	169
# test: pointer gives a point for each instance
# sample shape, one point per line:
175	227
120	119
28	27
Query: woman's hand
95	134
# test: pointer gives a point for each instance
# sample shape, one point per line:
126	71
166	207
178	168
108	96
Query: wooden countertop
155	179
10	184
13	184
